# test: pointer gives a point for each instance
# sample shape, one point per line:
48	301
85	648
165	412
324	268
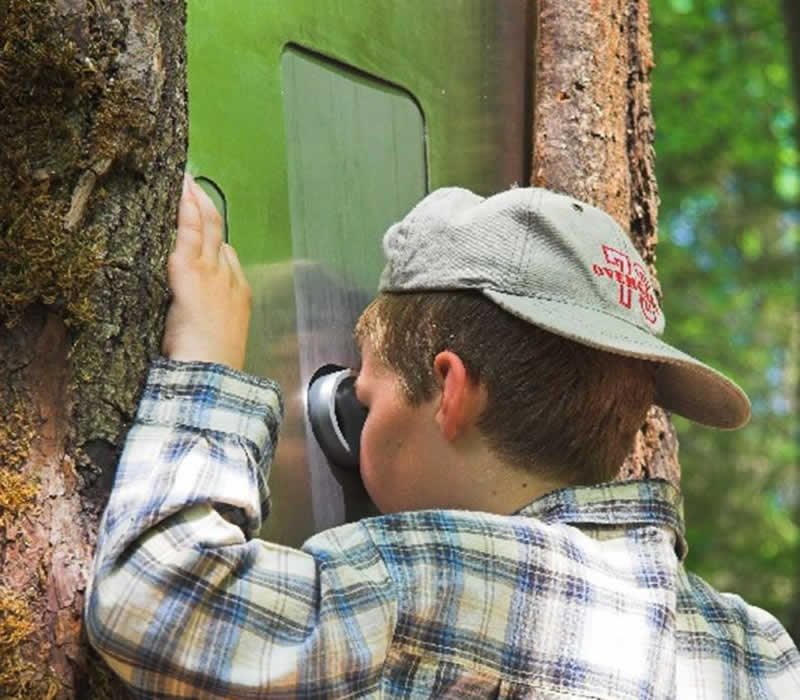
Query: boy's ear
462	399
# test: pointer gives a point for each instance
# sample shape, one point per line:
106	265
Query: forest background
727	167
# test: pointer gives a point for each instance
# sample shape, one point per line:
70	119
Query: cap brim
684	385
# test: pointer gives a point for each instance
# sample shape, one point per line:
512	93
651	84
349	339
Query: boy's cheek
370	471
368	479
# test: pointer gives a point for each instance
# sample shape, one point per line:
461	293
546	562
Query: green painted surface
322	122
356	164
439	52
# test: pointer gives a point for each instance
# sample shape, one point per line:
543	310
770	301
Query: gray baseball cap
564	266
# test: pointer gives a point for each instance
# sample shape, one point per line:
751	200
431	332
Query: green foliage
728	173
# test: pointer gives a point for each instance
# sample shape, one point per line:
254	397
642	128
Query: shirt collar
642	502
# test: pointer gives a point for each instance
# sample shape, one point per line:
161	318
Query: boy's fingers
212	224
188	242
232	259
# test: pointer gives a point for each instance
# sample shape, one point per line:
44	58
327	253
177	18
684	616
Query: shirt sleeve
184	601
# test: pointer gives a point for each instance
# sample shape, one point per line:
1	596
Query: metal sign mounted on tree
319	141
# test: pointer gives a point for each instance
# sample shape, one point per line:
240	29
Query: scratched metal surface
321	122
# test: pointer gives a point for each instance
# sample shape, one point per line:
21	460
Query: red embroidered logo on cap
630	277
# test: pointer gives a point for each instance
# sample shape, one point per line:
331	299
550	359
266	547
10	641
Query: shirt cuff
208	396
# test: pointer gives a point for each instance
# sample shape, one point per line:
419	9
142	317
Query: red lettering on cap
630	277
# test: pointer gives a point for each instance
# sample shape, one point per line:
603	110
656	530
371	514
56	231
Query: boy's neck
479	480
506	489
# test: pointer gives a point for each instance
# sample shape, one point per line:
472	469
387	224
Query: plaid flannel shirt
580	595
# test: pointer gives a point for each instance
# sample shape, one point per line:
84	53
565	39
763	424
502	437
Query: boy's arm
182	602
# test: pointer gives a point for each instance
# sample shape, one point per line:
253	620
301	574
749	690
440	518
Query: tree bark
93	134
593	139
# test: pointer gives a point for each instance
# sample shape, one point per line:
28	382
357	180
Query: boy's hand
210	310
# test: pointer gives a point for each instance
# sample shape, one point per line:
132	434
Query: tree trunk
593	139
93	134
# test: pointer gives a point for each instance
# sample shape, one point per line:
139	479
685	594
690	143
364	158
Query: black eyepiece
336	415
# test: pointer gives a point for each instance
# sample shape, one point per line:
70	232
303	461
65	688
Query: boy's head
559	409
549	309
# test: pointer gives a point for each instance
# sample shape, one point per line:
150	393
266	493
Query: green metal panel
356	163
321	122
439	52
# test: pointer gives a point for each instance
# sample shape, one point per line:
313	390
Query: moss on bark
94	147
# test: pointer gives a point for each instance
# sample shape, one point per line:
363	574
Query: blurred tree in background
727	164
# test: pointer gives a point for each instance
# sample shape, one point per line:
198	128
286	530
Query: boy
507	365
